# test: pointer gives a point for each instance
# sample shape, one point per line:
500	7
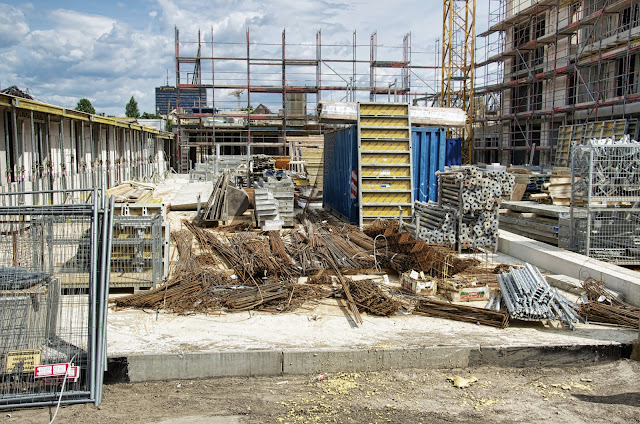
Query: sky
64	50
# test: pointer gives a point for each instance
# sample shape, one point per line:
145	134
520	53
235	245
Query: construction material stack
267	212
469	196
384	161
281	186
606	192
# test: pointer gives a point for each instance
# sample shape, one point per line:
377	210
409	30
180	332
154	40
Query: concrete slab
560	261
181	193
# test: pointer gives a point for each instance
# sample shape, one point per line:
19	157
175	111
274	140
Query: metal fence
54	275
605	201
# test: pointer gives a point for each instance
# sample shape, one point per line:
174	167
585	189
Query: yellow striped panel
384	109
384	158
386	185
384	122
385	145
385	198
379	133
384	211
386	172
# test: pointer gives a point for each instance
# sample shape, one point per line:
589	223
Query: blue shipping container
340	161
432	151
454	152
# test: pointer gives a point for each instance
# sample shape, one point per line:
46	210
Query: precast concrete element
571	264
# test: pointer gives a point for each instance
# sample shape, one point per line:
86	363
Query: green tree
147	115
131	111
84	105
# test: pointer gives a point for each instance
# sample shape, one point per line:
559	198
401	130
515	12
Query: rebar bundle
436	308
528	297
600	305
370	298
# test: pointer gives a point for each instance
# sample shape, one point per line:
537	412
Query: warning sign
22	360
50	370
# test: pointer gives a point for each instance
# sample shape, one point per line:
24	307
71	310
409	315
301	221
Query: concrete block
311	362
571	264
204	365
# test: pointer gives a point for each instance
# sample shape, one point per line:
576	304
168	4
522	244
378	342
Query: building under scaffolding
547	67
287	79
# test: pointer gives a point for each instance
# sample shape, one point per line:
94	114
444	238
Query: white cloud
73	54
13	26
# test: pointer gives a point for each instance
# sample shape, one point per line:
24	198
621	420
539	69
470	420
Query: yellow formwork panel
384	109
385	159
383	133
383	146
386	185
384	211
385	198
383	122
390	171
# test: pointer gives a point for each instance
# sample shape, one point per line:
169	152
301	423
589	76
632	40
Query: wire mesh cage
54	264
605	201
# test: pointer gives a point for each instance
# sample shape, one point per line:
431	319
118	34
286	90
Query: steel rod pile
436	308
370	298
529	297
600	305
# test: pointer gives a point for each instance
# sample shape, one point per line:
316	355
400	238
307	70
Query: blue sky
62	51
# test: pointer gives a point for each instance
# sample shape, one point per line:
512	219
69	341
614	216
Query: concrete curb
139	368
571	264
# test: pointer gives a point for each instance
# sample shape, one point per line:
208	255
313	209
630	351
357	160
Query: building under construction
551	72
287	80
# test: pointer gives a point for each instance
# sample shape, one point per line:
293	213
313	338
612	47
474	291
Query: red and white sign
50	370
72	376
354	184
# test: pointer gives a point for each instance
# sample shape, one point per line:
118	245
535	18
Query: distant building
189	98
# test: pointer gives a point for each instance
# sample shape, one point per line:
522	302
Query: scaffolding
258	94
547	64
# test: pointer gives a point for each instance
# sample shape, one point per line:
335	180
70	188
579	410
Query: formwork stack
384	161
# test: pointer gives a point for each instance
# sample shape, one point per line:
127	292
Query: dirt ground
596	393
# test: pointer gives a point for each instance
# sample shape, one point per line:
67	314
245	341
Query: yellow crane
237	94
458	65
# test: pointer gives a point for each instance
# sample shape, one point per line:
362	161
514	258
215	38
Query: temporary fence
53	340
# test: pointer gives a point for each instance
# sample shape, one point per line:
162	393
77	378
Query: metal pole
92	297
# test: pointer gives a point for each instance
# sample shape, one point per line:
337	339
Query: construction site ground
325	338
595	393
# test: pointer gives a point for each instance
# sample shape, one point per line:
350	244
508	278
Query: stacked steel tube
476	195
470	198
434	223
528	297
